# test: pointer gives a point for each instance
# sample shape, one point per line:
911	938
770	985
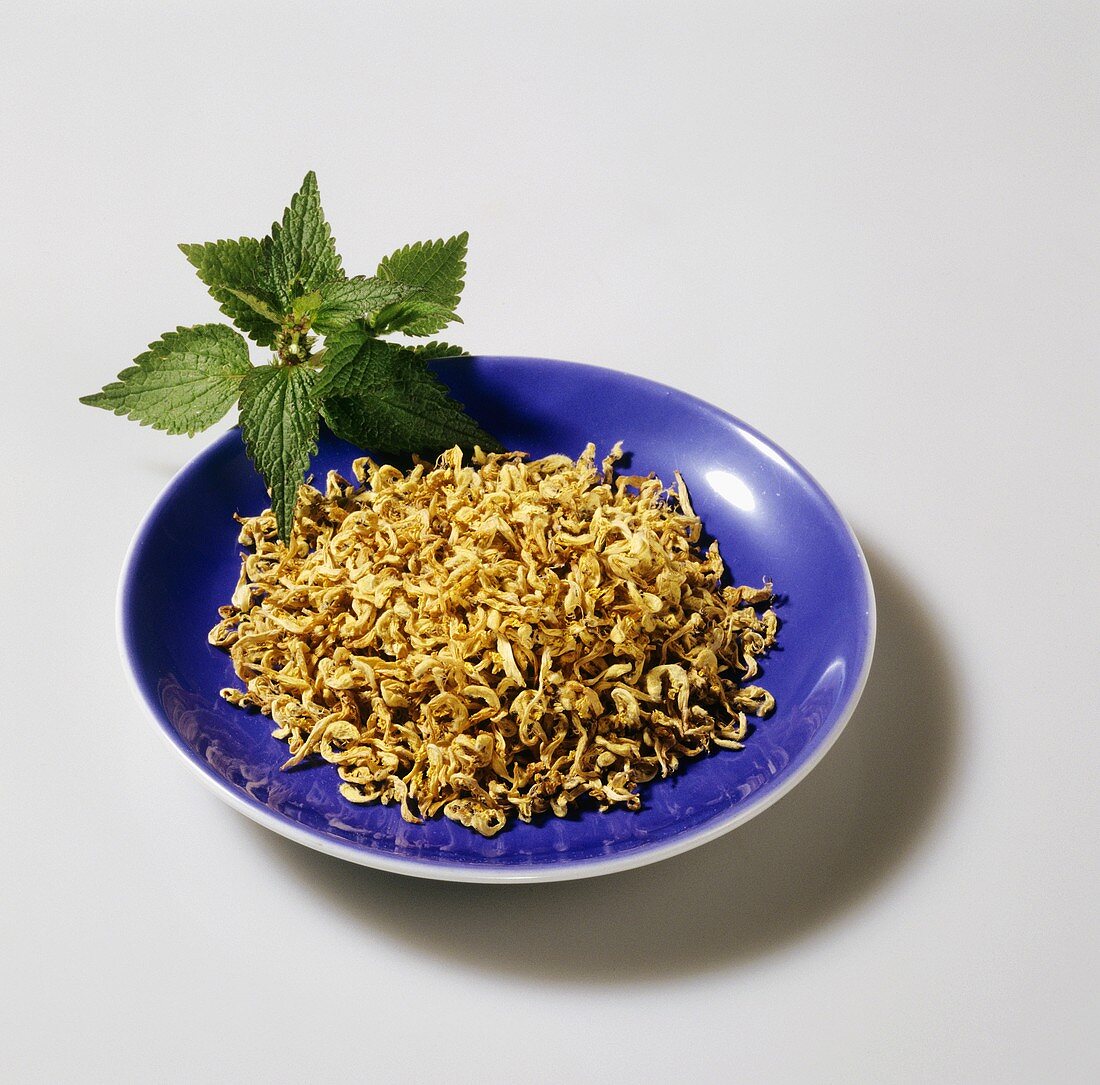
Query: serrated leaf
257	305
350	356
401	423
433	350
435	266
346	300
185	382
303	252
414	316
231	269
306	305
383	397
438	268
279	423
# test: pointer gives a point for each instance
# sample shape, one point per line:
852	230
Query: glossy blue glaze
771	519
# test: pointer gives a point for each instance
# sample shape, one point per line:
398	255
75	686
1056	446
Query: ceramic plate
770	517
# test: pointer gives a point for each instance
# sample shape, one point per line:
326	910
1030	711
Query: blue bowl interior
771	520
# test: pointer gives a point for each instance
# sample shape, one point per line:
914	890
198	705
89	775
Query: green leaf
303	252
400	423
345	300
279	425
437	267
433	350
414	316
239	280
307	305
350	354
383	397
183	383
257	305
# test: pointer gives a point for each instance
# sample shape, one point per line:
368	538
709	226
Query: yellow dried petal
496	638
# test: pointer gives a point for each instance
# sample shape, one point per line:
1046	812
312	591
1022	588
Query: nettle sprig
289	292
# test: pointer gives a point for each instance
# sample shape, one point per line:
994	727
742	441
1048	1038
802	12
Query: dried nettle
288	292
493	638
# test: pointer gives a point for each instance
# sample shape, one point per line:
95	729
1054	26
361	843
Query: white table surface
871	231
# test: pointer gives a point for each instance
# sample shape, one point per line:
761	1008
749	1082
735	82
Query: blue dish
770	517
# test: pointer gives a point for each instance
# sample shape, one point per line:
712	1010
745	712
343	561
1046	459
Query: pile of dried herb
495	638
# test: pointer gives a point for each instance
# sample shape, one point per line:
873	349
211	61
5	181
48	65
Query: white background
868	229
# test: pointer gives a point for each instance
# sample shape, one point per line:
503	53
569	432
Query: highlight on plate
495	638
